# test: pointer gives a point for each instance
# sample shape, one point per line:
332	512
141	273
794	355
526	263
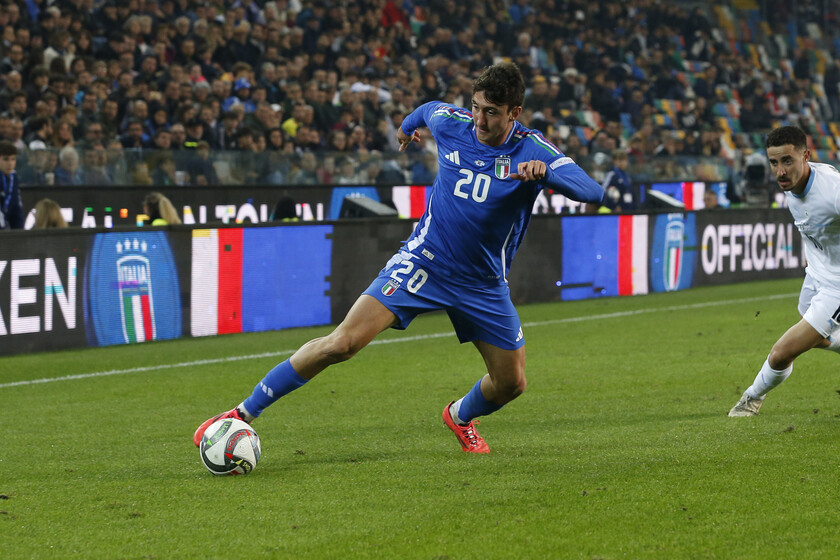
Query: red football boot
470	440
234	413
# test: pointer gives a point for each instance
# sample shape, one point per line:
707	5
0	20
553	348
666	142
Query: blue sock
474	404
281	380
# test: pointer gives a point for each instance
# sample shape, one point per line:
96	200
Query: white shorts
819	307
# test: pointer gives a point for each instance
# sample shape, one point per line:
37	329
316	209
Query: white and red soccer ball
230	446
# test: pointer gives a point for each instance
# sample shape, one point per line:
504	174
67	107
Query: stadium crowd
300	91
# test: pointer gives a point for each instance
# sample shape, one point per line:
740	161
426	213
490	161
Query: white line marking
388	341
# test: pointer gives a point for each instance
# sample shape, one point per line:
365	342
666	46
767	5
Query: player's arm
567	178
407	132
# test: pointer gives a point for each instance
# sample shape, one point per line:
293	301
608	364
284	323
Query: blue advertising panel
590	253
132	292
284	277
673	252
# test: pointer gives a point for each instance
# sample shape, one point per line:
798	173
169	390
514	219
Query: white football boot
746	406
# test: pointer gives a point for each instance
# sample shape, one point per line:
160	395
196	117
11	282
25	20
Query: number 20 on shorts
416	281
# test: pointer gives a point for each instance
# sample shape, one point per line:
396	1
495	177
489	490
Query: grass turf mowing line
619	448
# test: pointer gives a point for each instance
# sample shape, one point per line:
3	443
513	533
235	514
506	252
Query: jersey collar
516	126
513	130
808	186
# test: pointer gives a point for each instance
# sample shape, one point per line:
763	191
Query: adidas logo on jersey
454	157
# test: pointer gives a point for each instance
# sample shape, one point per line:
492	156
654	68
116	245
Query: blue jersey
477	214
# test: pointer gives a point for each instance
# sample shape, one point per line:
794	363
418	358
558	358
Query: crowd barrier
98	287
112	206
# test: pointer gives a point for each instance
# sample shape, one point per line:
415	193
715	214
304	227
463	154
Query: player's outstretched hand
404	139
533	170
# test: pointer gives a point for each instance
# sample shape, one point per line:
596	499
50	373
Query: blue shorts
409	287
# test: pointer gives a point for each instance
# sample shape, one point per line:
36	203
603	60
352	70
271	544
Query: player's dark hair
502	84
7	148
785	135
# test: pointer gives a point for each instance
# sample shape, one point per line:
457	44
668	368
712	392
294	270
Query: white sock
244	412
834	342
766	379
453	411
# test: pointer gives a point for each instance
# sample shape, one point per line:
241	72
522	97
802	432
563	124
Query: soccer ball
230	446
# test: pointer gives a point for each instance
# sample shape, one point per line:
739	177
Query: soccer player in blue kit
458	257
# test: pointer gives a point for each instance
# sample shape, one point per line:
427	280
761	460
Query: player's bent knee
509	389
341	347
520	386
780	357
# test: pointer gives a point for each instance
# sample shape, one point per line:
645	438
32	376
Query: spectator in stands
749	117
357	140
11	207
227	131
62	134
348	173
174	50
109	118
539	97
569	90
275	141
13	85
15	134
179	136
17	108
135	137
94	170
163	140
159	120
710	137
200	166
710	200
13	61
67	172
93	135
831	84
41	163
88	111
195	133
669	147
60	48
307	173
635	149
602	142
48	215
164	172
706	82
160	210
574	147
692	144
41	132
617	184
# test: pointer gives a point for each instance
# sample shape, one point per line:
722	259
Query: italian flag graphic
138	318
410	200
632	255
135	283
216	282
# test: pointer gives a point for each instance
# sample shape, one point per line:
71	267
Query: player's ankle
243	412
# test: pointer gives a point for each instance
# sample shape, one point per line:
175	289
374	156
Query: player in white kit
813	196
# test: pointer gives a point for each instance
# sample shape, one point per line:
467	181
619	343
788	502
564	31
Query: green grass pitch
620	447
